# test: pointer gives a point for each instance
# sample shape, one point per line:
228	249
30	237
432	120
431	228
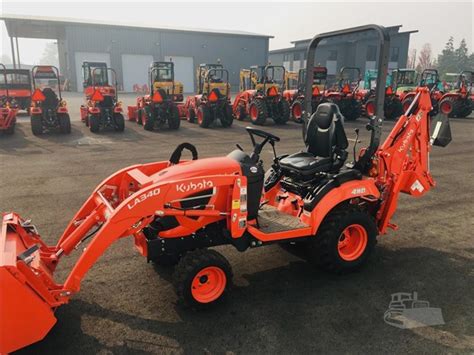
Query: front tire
345	240
297	111
201	278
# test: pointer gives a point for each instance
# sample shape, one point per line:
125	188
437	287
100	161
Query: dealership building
131	49
355	50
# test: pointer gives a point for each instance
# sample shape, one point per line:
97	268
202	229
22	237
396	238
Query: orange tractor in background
459	102
295	95
18	84
8	108
176	210
347	96
212	102
160	106
102	109
261	95
48	110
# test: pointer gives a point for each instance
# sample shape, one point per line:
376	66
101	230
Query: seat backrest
325	134
51	99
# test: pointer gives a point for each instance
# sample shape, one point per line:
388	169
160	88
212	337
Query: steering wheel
176	156
258	132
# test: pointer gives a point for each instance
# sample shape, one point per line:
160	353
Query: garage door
183	71
135	70
81	57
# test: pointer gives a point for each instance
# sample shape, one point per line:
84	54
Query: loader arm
403	159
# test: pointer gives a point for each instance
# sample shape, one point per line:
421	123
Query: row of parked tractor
265	92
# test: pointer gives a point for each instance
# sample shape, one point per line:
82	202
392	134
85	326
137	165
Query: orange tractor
347	96
48	110
8	108
18	86
102	108
212	101
260	96
459	102
295	96
176	210
160	106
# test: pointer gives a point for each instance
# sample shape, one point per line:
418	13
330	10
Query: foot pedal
393	226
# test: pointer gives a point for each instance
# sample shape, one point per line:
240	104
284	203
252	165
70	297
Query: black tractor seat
326	144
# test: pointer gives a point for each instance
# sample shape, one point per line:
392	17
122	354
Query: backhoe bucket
25	315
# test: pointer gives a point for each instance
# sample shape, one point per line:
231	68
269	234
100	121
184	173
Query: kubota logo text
143	197
192	186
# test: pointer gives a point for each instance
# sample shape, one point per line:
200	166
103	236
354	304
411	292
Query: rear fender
348	191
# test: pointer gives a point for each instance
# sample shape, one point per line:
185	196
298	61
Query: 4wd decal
143	197
192	186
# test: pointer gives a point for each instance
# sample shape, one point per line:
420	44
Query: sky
286	21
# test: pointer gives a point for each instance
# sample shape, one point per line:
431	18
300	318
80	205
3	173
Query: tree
50	54
425	60
411	58
455	60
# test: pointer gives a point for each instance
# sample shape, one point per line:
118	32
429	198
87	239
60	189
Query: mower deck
271	220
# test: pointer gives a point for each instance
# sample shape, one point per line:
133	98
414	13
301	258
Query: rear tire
94	123
258	112
36	125
228	117
283	112
64	123
344	241
204	117
202	278
174	121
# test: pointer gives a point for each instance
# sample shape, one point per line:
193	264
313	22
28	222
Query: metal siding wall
235	52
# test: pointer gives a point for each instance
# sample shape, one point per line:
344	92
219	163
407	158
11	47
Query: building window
332	55
394	53
296	56
286	57
371	53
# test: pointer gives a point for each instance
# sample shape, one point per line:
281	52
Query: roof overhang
54	28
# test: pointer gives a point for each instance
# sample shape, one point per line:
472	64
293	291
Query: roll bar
5	78
265	70
115	79
56	72
376	122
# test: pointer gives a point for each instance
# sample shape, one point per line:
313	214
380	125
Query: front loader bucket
25	316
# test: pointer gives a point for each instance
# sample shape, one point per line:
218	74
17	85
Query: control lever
355	142
239	147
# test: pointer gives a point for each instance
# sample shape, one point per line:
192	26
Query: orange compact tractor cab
102	108
8	108
176	209
19	87
212	102
160	106
48	109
